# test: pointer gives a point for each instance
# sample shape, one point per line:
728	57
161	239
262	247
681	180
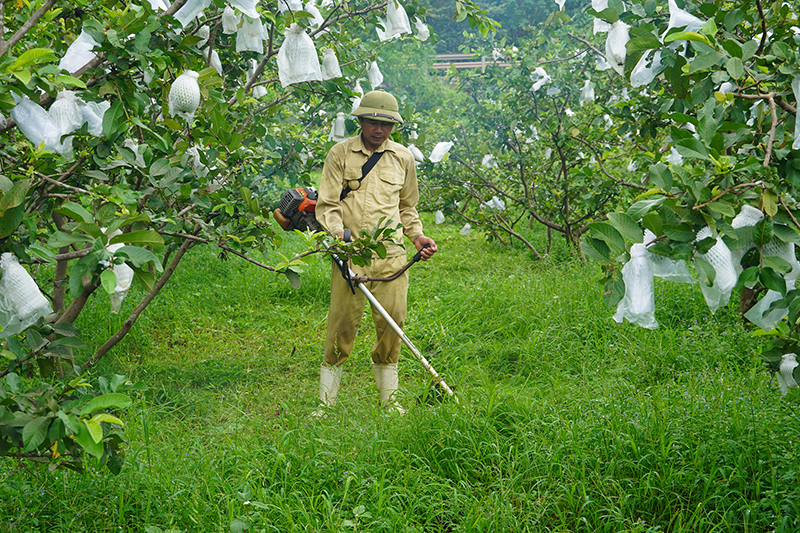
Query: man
345	201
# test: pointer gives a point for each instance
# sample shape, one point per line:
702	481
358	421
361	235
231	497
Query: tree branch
29	24
726	191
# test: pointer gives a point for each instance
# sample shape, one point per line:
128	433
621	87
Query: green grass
567	421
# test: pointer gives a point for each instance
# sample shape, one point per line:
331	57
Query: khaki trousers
347	308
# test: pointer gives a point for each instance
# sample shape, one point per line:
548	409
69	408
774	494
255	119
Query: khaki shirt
389	190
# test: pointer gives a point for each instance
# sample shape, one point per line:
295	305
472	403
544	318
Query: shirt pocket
390	181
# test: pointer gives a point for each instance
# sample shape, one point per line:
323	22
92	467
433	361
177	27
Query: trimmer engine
296	210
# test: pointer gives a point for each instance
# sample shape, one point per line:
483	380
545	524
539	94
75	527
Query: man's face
374	132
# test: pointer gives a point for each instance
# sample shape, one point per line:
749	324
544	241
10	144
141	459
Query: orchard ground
567	421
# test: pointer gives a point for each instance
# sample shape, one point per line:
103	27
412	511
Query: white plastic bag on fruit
785	373
248	7
638	304
489	161
618	37
440	150
796	90
374	75
439	217
674	157
66	112
665	267
587	93
92	113
560	4
747	217
357	99
465	231
158	5
194	161
37	125
396	22
230	21
297	59
497	204
423	32
191	10
124	275
204	33
133	146
21	301
600	25
719	257
645	70
339	129
258	90
419	157
539	77
760	314
251	36
679	18
184	95
214	61
287	5
79	53
317	20
330	65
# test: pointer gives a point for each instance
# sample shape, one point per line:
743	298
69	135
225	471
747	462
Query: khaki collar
358	146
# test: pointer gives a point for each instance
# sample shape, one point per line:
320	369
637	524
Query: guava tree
536	142
721	81
132	132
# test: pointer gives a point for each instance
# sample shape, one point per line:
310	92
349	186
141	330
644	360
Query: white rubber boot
330	377
386	379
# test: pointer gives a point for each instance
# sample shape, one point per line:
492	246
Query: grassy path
567	422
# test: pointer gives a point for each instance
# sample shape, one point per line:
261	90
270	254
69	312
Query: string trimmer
297	210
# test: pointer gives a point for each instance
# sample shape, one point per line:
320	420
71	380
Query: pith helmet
379	105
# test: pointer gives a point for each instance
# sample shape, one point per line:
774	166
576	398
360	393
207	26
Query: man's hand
420	243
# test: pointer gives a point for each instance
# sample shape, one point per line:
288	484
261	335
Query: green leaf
293	277
29	57
109	281
95	430
772	280
661	176
610	235
643	43
23	75
640	208
144	237
786	233
687	36
11	220
596	249
76	212
707	272
735	68
108	419
70	80
139	257
626	225
60	239
778	264
691	148
723	208
15	196
111	120
763	231
159	167
83	436
35	432
113	400
680	233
